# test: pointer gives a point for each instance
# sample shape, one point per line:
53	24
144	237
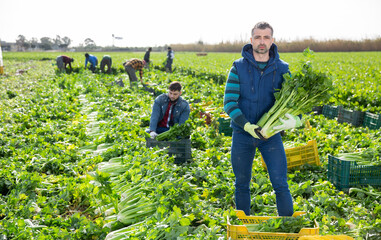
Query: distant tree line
62	44
47	43
337	45
44	43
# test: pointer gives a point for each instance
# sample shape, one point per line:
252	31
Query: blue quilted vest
257	87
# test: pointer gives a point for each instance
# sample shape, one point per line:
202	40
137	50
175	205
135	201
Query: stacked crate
224	125
372	121
355	118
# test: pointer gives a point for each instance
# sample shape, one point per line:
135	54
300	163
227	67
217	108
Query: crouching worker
131	66
168	109
93	60
63	61
106	62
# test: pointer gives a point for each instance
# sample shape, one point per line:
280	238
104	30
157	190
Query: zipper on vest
252	80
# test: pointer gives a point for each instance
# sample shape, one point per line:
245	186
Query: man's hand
291	122
153	135
250	129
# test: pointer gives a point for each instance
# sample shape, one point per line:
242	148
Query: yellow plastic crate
205	104
242	233
301	155
224	115
210	109
326	237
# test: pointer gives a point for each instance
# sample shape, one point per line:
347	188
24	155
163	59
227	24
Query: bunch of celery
281	224
369	156
299	94
177	131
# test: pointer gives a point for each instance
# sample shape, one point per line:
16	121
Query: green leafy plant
299	93
177	131
282	224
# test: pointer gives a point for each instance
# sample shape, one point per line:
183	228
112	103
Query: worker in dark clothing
106	61
147	58
63	61
170	57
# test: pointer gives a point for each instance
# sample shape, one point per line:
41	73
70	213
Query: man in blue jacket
93	61
249	93
168	109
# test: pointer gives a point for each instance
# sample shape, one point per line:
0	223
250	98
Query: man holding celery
249	93
168	109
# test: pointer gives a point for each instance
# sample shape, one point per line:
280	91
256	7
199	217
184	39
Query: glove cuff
298	122
246	127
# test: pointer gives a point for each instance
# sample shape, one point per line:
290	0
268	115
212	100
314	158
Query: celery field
74	162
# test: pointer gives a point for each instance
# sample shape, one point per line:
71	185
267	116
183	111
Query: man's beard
261	51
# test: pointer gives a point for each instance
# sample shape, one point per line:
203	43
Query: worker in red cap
131	66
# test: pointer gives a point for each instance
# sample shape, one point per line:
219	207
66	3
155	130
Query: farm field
73	147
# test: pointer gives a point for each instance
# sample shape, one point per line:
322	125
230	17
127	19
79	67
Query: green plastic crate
346	174
224	126
355	118
372	121
330	111
180	149
317	110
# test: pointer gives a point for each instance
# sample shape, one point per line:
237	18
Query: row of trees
63	44
336	45
46	43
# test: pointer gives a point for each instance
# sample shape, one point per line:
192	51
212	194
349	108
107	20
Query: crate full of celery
355	169
271	227
180	149
176	139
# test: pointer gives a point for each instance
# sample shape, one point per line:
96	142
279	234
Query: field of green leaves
58	132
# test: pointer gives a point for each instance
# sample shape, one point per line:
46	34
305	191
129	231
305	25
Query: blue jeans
242	155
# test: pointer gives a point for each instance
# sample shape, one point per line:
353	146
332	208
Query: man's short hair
175	86
262	25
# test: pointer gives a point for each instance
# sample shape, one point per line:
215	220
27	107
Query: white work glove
153	135
291	122
250	128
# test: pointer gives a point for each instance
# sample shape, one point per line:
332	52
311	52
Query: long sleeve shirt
92	59
179	114
147	56
136	64
232	94
66	60
170	54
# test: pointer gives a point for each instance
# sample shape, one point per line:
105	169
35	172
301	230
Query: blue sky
156	22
